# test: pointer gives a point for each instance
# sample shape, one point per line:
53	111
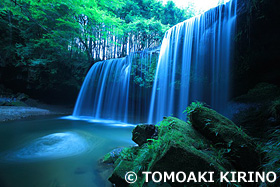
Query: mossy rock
241	150
118	176
182	148
179	147
13	103
178	159
141	133
22	97
111	157
262	92
207	142
274	109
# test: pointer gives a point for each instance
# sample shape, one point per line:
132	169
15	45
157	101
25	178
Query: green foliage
127	154
107	158
172	14
153	144
49	43
143	158
143	69
274	108
192	107
12	103
173	132
262	92
82	25
272	152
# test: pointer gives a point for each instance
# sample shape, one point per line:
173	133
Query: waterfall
194	64
115	89
95	96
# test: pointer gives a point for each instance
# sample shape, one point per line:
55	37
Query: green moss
143	69
262	92
227	137
215	126
18	103
108	158
13	103
175	134
120	171
274	108
129	153
192	107
181	147
272	152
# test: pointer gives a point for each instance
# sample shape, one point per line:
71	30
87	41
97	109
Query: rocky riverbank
14	106
8	113
207	142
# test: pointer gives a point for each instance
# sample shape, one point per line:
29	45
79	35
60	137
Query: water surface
56	152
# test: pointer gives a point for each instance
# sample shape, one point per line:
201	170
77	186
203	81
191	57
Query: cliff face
257	48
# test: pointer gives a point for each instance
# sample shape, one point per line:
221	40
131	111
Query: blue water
58	152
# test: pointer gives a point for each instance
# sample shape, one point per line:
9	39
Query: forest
51	43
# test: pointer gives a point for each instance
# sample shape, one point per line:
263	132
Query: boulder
177	159
239	147
208	142
22	97
182	148
142	132
124	163
118	176
178	148
111	157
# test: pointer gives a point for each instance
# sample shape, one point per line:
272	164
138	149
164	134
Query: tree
44	43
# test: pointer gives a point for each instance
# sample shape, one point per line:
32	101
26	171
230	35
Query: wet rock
262	112
178	159
239	147
142	132
111	157
179	147
18	112
182	148
208	142
13	102
122	160
262	92
22	97
118	176
274	109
